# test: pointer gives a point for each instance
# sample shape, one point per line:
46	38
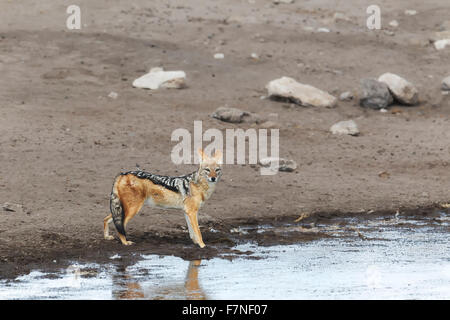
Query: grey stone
375	94
234	115
446	84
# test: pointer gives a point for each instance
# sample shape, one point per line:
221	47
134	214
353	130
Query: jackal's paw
128	243
109	237
201	245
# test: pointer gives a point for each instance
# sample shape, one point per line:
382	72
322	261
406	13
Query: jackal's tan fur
131	191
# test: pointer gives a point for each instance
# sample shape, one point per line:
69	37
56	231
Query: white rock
345	127
441	44
325	30
158	78
219	56
402	90
446	84
301	94
345	96
410	12
282	1
113	95
278	164
340	16
393	23
254	56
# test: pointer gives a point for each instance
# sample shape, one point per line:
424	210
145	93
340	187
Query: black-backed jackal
134	188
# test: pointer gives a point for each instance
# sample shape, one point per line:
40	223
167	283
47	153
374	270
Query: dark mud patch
55	250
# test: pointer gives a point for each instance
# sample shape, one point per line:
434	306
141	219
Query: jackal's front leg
191	212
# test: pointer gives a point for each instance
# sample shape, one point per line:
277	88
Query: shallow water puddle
396	259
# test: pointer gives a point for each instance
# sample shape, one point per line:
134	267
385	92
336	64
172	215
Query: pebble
345	127
346	96
234	115
410	12
289	89
402	90
282	165
340	16
394	23
283	1
441	44
113	95
446	84
219	56
326	30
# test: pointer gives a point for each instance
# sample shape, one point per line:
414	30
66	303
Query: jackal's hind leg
106	222
130	212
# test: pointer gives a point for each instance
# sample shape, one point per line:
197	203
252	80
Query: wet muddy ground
384	257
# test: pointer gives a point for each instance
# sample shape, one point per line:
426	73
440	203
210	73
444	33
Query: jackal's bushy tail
117	211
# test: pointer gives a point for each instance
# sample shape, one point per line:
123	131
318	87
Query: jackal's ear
218	156
201	155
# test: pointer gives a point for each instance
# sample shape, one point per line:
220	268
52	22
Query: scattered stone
234	115
383	110
325	30
389	33
254	56
394	23
278	164
446	84
219	56
287	88
340	16
113	95
345	127
158	78
375	94
410	12
442	44
402	90
384	174
12	207
283	1
346	96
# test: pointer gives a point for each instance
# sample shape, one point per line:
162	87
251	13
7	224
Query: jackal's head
210	167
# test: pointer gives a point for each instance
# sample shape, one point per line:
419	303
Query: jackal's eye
207	170
218	170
